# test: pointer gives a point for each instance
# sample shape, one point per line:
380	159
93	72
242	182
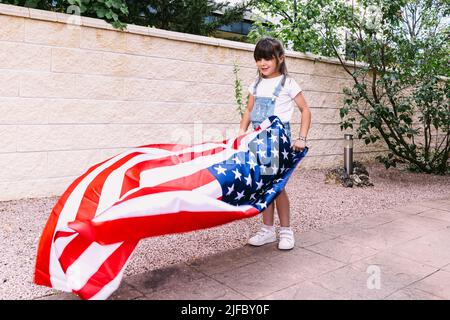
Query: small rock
359	176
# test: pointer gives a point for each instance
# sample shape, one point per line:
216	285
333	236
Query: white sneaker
262	237
287	240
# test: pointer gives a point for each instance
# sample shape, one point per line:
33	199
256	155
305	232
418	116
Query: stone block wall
74	93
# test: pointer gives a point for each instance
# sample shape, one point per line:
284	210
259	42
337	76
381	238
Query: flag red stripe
108	271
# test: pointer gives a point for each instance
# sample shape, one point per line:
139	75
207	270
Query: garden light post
348	153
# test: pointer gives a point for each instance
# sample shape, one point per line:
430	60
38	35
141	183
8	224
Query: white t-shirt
284	104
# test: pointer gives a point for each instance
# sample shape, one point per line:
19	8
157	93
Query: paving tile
378	219
310	238
410	293
305	290
432	249
162	279
411	209
200	289
436	214
375	277
396	268
343	251
339	229
437	284
396	232
437	204
305	262
446	268
259	279
412	227
373	239
60	296
351	283
225	261
125	292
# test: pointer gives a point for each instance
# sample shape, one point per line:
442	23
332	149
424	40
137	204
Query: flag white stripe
88	263
166	203
212	189
61	243
112	286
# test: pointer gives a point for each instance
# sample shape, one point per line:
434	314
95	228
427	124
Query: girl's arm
245	121
306	114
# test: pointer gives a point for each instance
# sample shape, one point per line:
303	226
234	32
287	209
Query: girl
272	93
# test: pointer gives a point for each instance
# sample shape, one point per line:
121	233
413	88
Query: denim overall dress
264	107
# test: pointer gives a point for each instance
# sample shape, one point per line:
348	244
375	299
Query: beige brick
318	115
177	91
12	28
12	190
99	87
76	111
322	131
9	83
324	162
22	166
329	147
103	40
323	84
8	138
70	60
52	33
23	111
50	85
24	57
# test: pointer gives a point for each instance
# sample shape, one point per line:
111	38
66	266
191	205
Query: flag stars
230	190
271	191
220	170
259	184
252	164
275	153
262	153
239	195
248	180
263	205
263	168
274	139
259	141
237	174
274	168
237	160
284	138
285	154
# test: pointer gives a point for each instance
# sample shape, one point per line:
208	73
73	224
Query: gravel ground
314	204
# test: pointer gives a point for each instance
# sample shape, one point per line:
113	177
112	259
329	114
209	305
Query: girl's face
268	68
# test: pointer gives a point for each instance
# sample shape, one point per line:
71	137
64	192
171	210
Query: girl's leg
283	208
268	215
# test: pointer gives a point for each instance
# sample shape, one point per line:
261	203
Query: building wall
73	93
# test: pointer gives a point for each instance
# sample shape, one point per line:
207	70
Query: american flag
155	190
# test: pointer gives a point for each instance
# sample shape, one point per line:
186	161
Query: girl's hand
299	145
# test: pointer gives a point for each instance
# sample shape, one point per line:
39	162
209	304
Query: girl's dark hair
268	48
